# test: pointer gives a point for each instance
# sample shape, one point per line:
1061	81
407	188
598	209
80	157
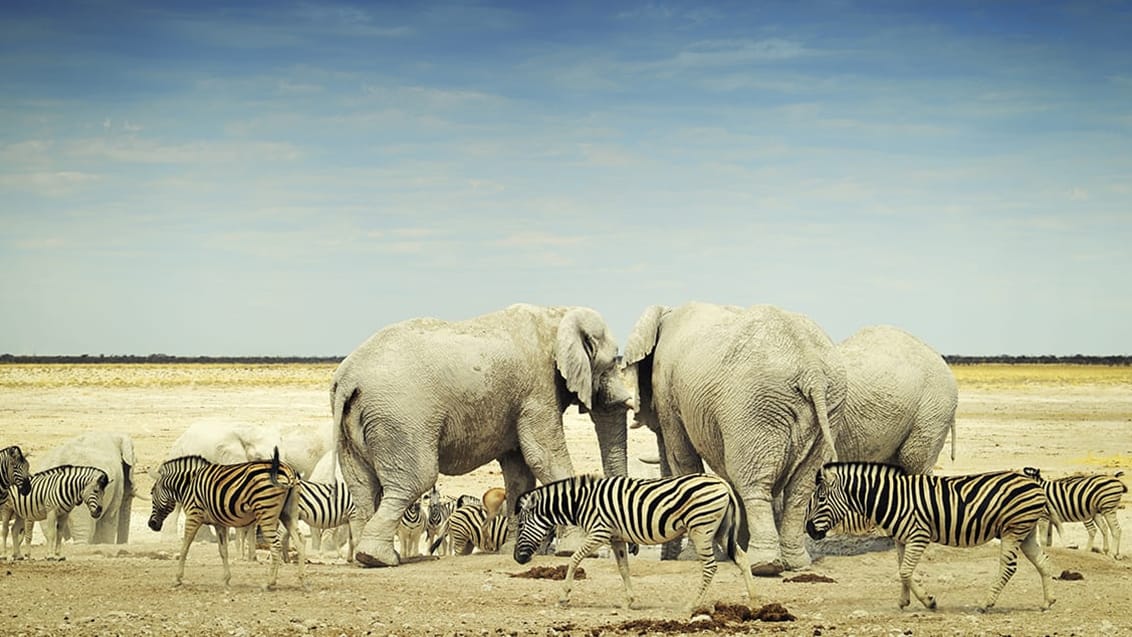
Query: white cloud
535	240
148	151
47	184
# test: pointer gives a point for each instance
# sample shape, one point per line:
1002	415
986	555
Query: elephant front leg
542	445
764	548
517	480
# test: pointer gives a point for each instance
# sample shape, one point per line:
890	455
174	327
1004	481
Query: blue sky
286	178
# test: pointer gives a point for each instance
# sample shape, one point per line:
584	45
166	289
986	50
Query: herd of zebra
916	510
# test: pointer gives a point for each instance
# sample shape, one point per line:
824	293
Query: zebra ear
817	478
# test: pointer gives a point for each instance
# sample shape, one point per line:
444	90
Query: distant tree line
1049	359
1076	359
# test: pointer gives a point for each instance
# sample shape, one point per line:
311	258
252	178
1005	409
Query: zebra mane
64	467
14	451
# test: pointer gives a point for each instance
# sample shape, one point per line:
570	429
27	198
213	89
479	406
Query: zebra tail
274	475
1054	519
739	534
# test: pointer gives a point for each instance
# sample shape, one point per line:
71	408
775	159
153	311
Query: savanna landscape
1060	418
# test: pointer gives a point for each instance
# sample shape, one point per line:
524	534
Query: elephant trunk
612	439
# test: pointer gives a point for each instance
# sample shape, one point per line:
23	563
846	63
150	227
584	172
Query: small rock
859	613
700	618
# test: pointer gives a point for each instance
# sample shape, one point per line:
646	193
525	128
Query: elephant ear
574	349
642	340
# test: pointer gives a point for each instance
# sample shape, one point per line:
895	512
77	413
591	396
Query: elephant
426	396
901	400
113	453
757	393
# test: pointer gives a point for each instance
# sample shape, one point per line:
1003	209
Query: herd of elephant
759	394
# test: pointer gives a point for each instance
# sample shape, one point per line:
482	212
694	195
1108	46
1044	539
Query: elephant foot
375	553
796	560
773	568
372	561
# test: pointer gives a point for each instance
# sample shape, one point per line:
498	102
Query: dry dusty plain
1063	419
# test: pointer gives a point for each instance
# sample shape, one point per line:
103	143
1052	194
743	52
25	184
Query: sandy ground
126	589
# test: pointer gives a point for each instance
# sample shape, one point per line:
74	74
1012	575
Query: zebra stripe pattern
52	495
439	508
620	510
469	528
1092	499
410	528
230	496
329	506
14	471
917	510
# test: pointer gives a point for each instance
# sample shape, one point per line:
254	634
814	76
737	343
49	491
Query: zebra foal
51	496
917	510
329	506
1092	499
470	527
619	510
230	495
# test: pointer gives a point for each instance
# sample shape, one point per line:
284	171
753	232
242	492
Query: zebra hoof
767	569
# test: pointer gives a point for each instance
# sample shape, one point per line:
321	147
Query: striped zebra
917	510
324	506
620	510
227	496
410	529
14	471
469	528
1092	499
53	493
439	509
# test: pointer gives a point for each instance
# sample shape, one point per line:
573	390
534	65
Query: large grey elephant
426	396
756	393
114	454
901	400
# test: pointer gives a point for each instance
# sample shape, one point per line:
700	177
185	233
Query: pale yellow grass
996	376
166	375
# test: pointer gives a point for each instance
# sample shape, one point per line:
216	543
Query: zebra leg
25	540
292	527
52	535
271	536
744	564
192	525
1114	529
908	554
1091	527
620	553
1048	530
589	545
1033	552
222	547
1007	564
701	539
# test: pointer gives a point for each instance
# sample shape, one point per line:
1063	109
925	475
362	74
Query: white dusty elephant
901	400
114	454
426	396
757	394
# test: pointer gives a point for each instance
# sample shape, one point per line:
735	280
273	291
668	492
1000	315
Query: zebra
619	510
916	510
328	506
1092	499
469	528
14	471
410	528
52	494
230	495
440	510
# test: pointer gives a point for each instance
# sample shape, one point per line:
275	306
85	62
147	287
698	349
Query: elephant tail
813	386
953	437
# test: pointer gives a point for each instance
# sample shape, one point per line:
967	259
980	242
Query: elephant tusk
649	459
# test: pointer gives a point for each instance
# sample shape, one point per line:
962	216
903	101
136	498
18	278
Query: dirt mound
721	619
806	578
551	572
1070	576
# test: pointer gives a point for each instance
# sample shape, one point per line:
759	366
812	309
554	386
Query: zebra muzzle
813	531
